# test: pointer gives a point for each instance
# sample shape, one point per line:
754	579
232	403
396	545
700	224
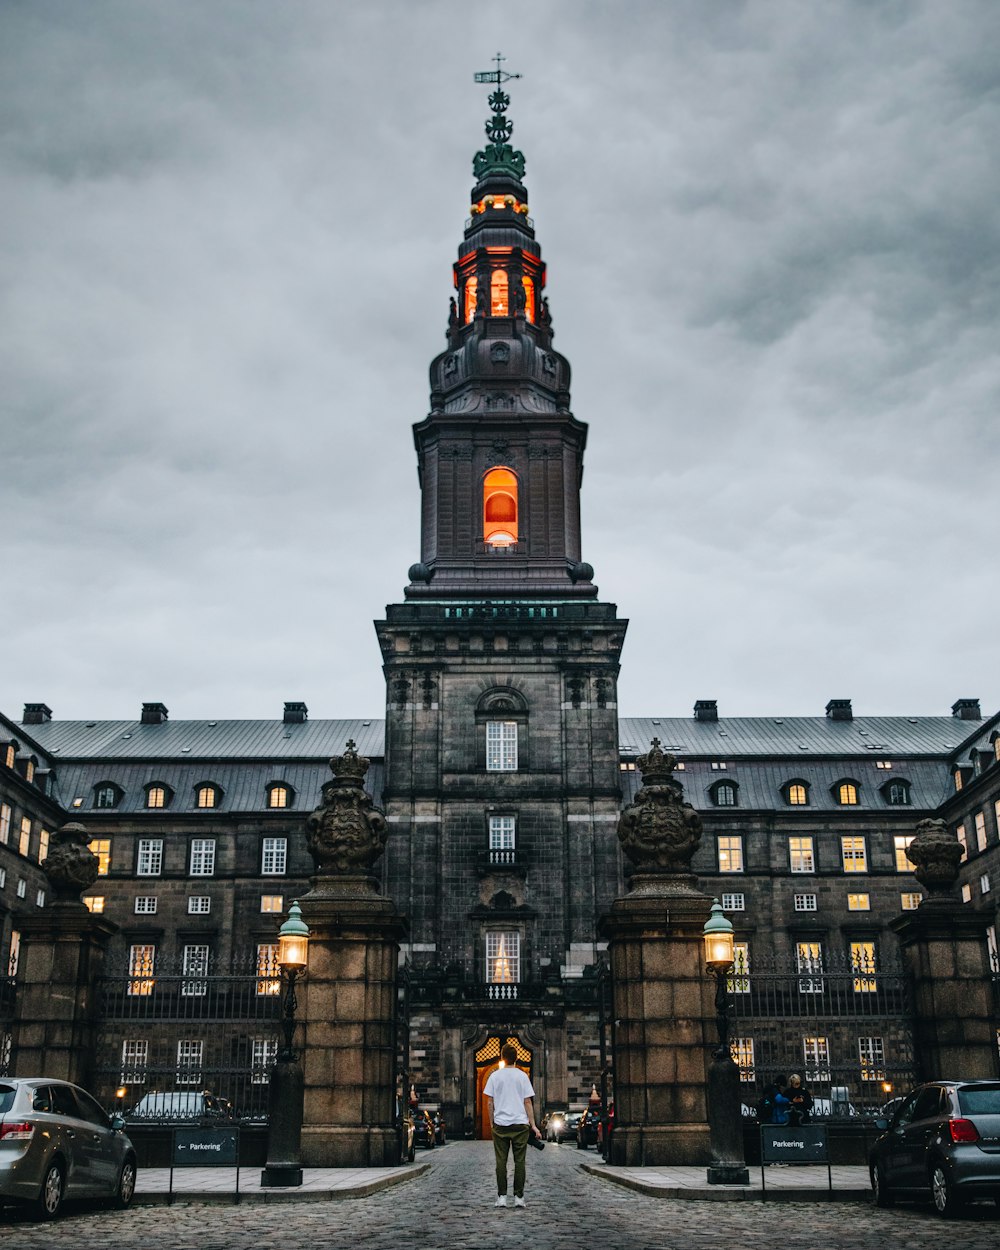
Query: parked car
56	1143
943	1143
423	1129
587	1128
181	1106
559	1126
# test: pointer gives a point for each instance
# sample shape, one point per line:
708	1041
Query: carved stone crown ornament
658	831
346	834
935	854
70	866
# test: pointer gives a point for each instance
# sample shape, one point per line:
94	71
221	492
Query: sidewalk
799	1183
219	1184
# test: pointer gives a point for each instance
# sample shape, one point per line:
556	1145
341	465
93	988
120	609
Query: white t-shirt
508	1087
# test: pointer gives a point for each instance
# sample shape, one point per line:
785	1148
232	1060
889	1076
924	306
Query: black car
943	1144
587	1129
423	1129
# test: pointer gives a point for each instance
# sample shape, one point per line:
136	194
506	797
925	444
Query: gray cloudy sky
772	238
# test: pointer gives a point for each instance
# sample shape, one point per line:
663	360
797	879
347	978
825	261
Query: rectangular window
871	1056
199	904
268	972
966	892
263	1055
40	898
272	903
5	819
964	839
135	1061
24	841
731	852
859	902
22	888
910	902
816	1058
984	883
739	982
101	847
503	958
805	902
800	855
501	746
274	853
195	965
145	905
43	845
854	853
734	902
141	964
863	967
899	844
883	763
150	859
189	1060
95	904
980	819
809	959
717	764
741	1049
202	857
502	830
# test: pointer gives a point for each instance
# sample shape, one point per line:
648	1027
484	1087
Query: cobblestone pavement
451	1207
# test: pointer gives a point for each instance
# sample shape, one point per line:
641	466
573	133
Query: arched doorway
487	1059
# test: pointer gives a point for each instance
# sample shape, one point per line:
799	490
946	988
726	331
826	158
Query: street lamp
284	1100
725	1111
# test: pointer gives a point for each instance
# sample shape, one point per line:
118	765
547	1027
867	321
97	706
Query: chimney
154	714
962	709
706	709
839	709
295	714
41	714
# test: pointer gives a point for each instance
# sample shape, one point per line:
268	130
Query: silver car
56	1143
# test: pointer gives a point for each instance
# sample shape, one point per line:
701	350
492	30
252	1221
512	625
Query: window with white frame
809	959
22	888
150	859
804	902
871	1056
145	905
39	898
199	904
963	837
189	1062
741	1050
910	901
6	815
135	1061
980	822
141	965
984	883
264	1052
195	965
273	856
272	903
854	853
501	746
730	849
816	1058
734	902
862	955
859	902
268	971
202	863
900	842
801	856
503	957
739	981
502	831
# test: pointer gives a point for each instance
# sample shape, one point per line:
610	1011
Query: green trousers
514	1136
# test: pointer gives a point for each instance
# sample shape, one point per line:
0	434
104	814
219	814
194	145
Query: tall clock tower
501	667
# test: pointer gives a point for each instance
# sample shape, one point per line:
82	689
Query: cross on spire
497	75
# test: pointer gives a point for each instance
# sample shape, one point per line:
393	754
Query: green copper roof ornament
498	157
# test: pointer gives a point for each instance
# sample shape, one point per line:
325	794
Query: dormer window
29	768
500	508
158	795
996	747
280	795
107	794
207	795
846	793
9	753
897	793
723	793
796	793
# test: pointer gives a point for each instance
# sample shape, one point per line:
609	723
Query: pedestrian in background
801	1101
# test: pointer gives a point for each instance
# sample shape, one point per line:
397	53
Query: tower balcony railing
511	549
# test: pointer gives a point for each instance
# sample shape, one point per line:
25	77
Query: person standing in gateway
512	1118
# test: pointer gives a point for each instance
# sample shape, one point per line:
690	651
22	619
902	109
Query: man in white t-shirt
512	1117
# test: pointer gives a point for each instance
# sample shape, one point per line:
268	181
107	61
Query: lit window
471	286
529	297
900	842
156	796
958	779
150	859
734	902
267	969
274	853
199	904
854	853
984	883
277	796
195	965
731	853
863	967
272	903
503	958
189	1060
910	901
202	857
101	847
739	982
264	1052
996	747
859	902
43	845
719	764
897	793
809	959
966	894
980	820
501	746
963	837
741	1049
95	904
847	794
500	508
801	857
805	902
207	796
816	1058
871	1055
9	755
141	964
107	795
5	819
24	841
499	298
724	794
798	795
145	905
135	1060
29	770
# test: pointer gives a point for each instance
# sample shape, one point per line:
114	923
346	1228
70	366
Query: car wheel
946	1201
884	1196
51	1194
125	1189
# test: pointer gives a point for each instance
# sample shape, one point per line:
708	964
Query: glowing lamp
718	935
293	941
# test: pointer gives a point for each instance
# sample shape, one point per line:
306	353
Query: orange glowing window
500	508
499	303
470	298
529	298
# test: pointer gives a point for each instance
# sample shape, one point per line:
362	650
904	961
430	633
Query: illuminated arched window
847	793
470	298
797	794
500	508
499	300
529	298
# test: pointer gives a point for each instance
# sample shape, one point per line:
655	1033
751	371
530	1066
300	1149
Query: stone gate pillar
662	1002
61	959
944	947
349	996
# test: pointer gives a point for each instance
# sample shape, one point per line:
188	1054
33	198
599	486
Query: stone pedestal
348	1031
944	947
62	956
662	1011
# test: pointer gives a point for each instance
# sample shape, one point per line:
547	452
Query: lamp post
284	1133
725	1115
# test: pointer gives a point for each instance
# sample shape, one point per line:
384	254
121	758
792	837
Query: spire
499	157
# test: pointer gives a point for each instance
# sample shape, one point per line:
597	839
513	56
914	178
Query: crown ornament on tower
346	834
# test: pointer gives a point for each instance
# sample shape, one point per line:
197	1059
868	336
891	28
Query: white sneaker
502	1201
518	1202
